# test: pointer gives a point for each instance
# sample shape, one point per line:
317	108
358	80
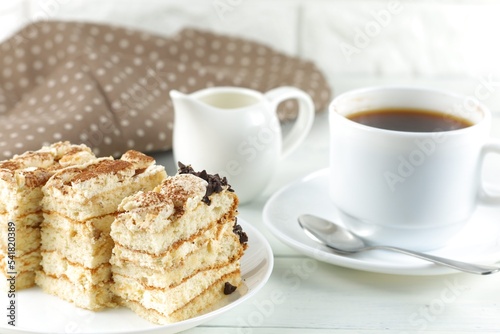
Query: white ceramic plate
478	242
37	312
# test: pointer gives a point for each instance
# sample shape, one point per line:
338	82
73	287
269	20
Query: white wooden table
322	298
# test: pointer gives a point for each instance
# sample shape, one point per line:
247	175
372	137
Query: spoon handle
462	266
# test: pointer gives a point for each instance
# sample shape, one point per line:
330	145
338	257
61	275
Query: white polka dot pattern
108	87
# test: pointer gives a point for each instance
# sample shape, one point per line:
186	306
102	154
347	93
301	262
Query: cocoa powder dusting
102	168
10	165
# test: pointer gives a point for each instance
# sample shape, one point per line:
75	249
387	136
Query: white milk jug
235	132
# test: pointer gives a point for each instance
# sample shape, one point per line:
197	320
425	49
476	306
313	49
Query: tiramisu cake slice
79	205
178	247
21	181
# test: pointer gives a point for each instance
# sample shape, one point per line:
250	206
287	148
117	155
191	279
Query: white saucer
478	242
38	312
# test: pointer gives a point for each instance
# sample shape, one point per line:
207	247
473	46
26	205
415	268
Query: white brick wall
12	15
402	37
273	22
353	41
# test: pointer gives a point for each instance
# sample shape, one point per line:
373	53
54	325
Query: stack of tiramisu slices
79	205
21	182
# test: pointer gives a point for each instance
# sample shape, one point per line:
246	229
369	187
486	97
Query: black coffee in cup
410	120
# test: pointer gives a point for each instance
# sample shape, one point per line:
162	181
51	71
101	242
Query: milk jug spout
184	103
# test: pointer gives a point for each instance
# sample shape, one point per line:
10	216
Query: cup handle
492	146
304	120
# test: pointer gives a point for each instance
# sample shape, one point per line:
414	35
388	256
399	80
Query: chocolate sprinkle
215	182
239	232
229	288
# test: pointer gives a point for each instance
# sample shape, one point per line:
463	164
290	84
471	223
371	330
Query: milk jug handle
305	116
493	197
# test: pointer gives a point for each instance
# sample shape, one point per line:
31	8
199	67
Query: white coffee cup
408	189
235	132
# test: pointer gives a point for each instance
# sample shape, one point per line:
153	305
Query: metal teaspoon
342	241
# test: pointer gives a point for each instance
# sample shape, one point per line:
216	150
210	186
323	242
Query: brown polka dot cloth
107	87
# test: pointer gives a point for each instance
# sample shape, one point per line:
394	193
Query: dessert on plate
103	232
79	205
177	247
